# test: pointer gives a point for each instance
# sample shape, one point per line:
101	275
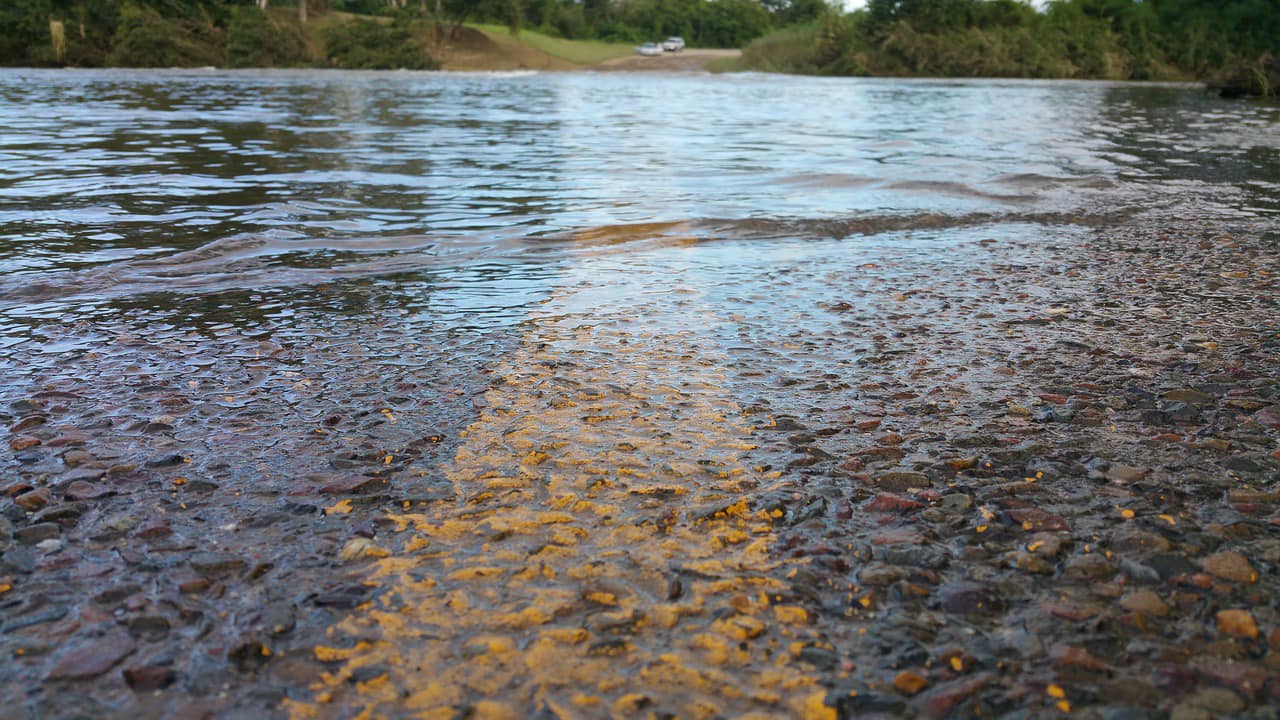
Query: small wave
272	261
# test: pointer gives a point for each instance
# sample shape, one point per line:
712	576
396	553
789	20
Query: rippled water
199	195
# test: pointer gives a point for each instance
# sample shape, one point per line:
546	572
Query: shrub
371	45
255	40
145	39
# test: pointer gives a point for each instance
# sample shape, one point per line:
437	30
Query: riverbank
1010	475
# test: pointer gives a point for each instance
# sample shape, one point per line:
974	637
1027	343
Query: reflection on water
246	192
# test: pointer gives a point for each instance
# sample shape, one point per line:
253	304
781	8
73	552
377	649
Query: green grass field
581	52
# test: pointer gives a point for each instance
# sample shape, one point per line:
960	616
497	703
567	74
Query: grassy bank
247	36
578	52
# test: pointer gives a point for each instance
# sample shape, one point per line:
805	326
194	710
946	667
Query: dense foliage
268	32
1123	39
1117	39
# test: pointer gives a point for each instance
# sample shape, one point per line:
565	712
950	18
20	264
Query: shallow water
460	194
620	322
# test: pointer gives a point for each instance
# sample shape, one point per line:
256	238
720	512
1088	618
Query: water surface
206	196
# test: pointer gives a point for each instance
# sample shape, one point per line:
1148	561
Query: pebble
148	678
33	534
968	598
1125	474
909	683
23	442
34	499
1146	602
901	481
83	490
1230	565
1237	623
92	659
214	563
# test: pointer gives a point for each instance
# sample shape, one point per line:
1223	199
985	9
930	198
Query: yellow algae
609	562
528	617
790	614
332	654
473	573
342	507
389	566
717	651
567	636
358	548
741	627
535	458
415	543
814	707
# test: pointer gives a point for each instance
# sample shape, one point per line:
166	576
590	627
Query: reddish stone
92	660
852	465
27	423
154	529
33	500
867	425
929	495
22	442
194	585
1068	656
1166	437
16	489
938	702
149	677
888	502
1054	398
82	490
1245	678
1267	417
898	536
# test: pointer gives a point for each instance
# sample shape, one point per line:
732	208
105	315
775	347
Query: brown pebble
82	490
27	423
194	585
33	500
16	489
92	660
1145	601
910	683
22	442
1230	565
149	677
1237	623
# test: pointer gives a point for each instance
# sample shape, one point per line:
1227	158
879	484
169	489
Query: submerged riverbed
595	395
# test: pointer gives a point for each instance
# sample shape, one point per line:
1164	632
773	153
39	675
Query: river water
626	351
125	190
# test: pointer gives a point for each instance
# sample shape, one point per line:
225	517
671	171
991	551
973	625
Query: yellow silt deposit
603	558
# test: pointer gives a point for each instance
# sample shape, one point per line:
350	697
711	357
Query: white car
673	44
649	49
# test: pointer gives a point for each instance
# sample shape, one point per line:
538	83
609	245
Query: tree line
1116	39
371	33
1111	39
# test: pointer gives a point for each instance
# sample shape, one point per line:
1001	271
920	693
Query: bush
145	39
254	40
371	45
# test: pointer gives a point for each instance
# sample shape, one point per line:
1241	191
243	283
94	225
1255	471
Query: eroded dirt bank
972	473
